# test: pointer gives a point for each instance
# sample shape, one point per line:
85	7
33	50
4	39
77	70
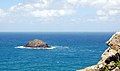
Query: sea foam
23	47
50	48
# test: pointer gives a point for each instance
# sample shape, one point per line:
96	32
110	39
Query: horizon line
64	32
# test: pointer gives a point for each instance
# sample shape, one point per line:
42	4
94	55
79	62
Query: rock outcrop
36	43
110	59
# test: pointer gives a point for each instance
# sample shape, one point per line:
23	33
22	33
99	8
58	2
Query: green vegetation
104	68
117	64
109	68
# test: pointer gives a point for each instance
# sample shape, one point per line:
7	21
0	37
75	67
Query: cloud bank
49	9
66	12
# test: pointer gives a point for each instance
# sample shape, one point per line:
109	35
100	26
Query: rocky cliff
110	59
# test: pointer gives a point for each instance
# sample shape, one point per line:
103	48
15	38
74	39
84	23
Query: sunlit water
68	52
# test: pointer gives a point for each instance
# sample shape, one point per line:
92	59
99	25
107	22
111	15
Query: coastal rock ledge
36	43
110	59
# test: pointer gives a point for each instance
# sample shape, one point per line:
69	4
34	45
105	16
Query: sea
69	51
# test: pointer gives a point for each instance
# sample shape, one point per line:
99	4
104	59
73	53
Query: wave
50	48
22	47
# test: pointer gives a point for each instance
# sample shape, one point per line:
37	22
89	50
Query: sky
59	15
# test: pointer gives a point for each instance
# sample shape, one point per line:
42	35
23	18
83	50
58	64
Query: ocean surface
68	52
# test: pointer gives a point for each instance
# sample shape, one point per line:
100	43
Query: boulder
37	43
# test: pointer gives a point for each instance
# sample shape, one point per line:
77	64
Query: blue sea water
72	51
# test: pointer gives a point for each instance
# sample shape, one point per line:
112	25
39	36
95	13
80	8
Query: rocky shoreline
110	59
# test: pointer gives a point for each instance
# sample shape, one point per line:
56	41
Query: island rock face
110	59
36	43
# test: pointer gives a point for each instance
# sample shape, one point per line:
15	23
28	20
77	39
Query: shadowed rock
114	58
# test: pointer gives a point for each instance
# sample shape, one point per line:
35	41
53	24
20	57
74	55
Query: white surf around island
50	48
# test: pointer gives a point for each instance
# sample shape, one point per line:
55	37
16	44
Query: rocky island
110	59
36	43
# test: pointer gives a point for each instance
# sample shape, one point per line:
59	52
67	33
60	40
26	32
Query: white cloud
38	9
93	3
44	8
2	13
45	13
72	1
114	12
110	9
105	8
50	13
101	13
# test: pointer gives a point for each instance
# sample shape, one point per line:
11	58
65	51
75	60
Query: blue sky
9	3
59	15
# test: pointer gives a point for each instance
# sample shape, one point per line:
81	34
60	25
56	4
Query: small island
36	43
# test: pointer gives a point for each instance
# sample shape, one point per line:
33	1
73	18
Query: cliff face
110	59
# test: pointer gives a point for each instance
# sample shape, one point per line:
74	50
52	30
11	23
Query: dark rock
37	43
114	58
